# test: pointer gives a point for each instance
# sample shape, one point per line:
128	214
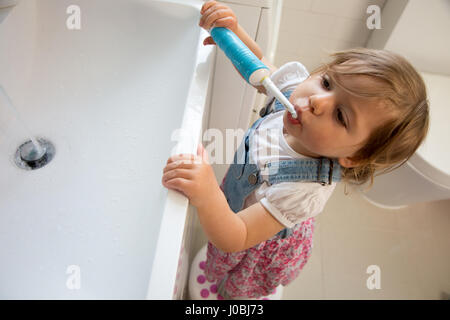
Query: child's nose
321	103
303	103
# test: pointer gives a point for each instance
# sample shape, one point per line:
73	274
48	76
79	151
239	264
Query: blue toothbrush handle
240	55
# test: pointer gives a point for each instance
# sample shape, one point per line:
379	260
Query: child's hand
215	14
193	176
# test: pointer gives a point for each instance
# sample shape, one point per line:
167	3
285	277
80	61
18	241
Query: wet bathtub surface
109	97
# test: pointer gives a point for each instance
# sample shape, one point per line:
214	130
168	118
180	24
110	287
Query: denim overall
243	175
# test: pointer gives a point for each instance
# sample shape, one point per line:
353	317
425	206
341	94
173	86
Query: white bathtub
96	223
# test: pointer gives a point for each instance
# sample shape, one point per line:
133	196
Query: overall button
252	179
262	112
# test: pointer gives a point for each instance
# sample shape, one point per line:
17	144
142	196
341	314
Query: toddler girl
363	113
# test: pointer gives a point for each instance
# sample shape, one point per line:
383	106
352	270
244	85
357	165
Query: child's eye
326	83
340	117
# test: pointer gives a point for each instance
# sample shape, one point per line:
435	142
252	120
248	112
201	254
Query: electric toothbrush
251	68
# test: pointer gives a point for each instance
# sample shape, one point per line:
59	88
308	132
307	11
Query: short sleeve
293	202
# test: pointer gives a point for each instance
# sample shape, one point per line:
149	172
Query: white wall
421	35
311	29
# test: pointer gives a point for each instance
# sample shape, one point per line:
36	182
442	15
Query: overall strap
274	107
322	170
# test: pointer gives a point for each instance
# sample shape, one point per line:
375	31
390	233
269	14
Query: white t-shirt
288	202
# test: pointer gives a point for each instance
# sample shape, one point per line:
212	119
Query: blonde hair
403	92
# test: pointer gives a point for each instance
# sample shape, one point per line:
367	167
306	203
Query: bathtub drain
27	158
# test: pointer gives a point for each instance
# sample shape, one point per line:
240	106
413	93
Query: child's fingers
181	156
211	8
213	13
206	5
208	40
211	18
227	22
185	164
177	173
178	184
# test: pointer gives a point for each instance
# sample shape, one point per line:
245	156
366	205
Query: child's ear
347	162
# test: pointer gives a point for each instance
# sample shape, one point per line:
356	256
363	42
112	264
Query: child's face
335	123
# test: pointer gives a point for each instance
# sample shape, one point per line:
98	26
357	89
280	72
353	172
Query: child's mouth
292	120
